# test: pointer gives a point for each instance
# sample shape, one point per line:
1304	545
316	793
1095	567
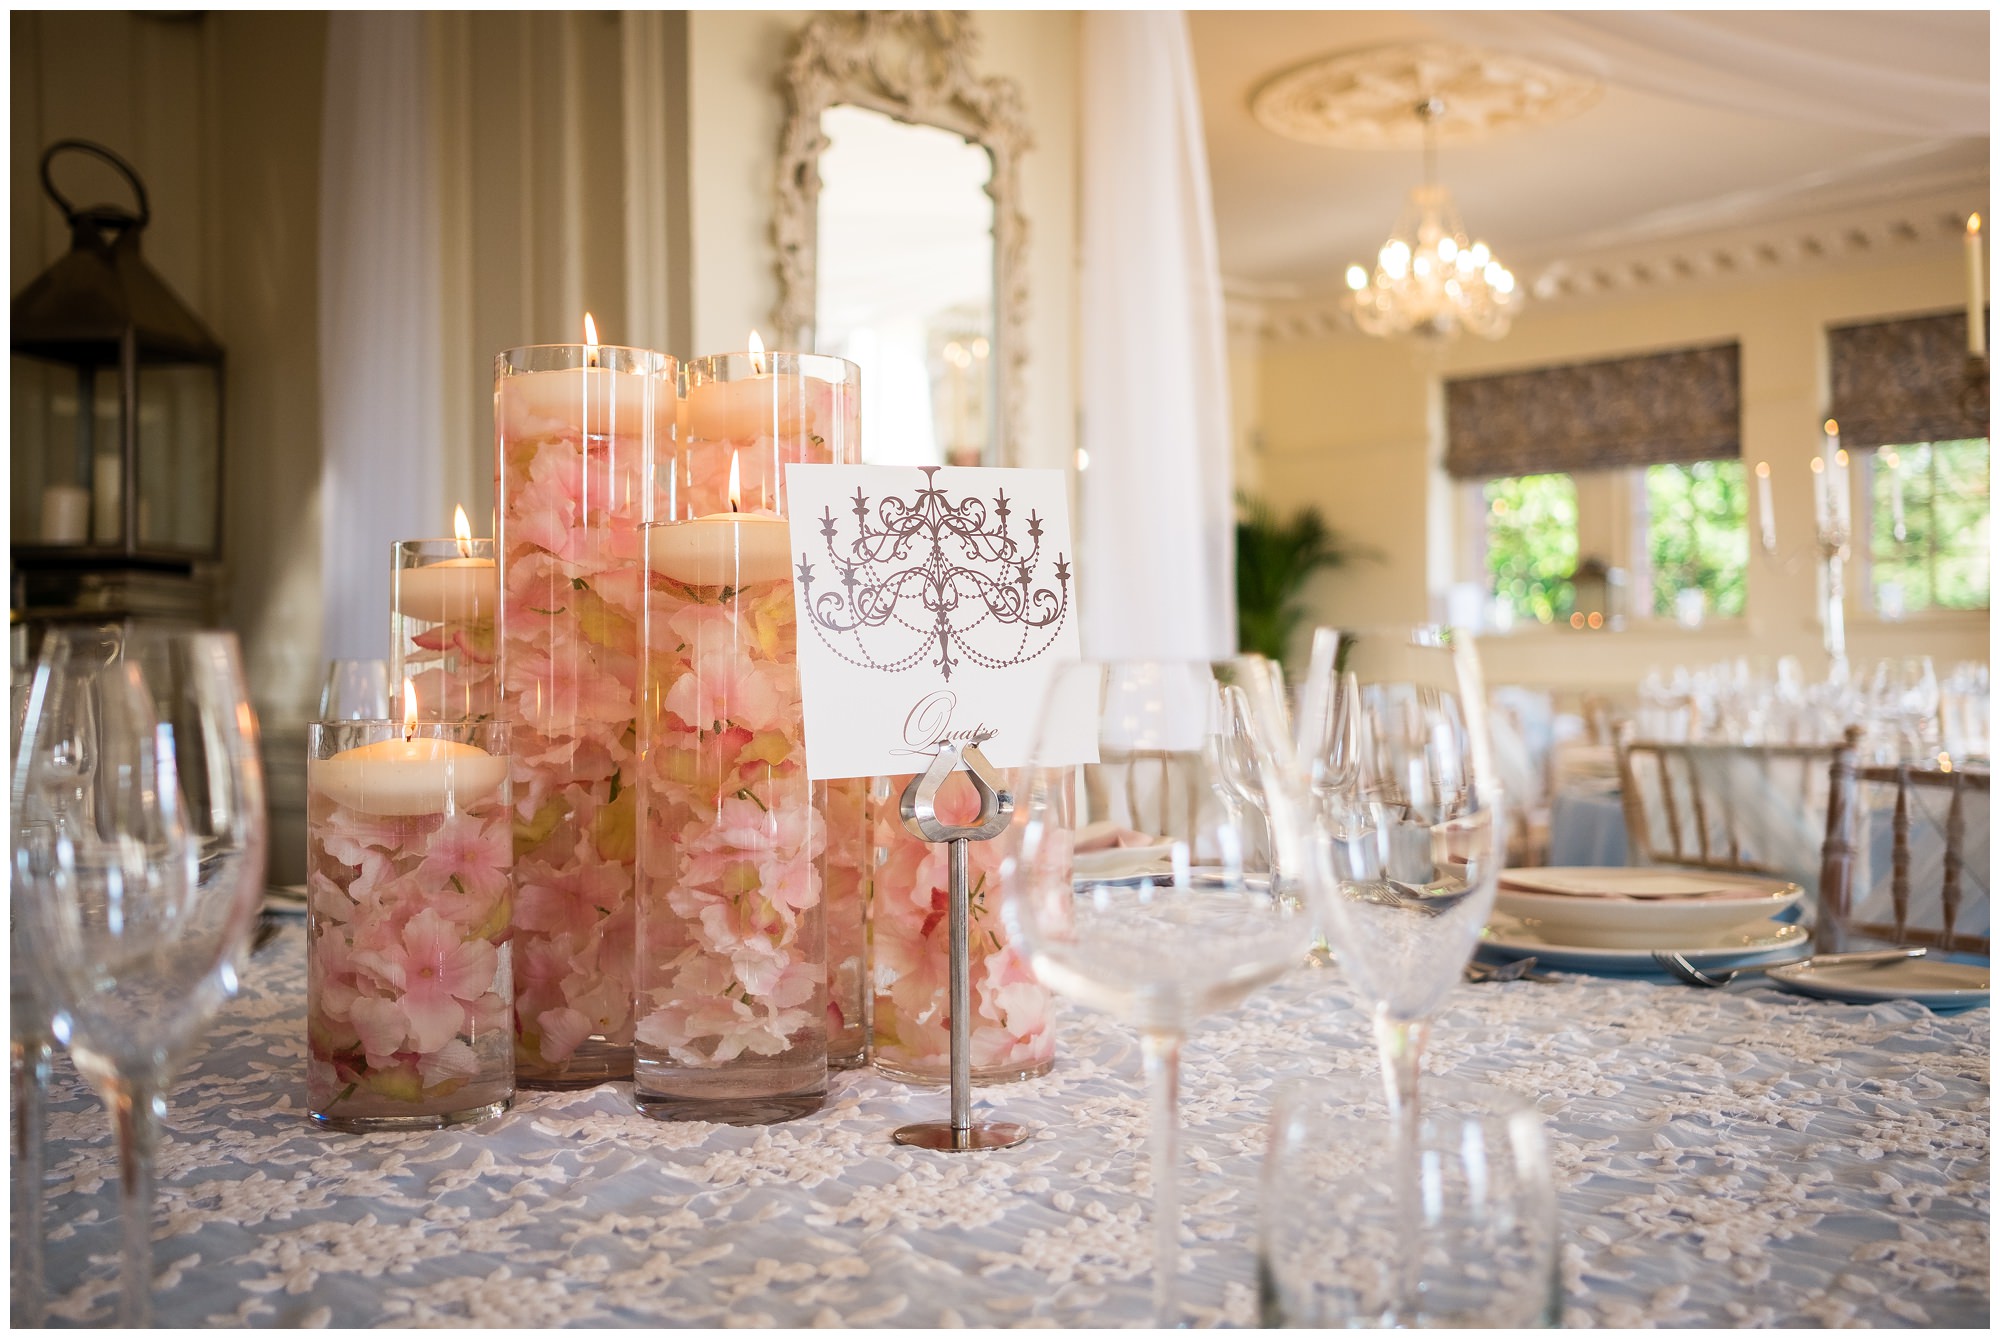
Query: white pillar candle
729	549
1894	463
1767	522
1975	292
404	778
65	514
1821	517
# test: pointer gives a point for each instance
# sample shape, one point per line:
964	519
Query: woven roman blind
1904	381
1676	406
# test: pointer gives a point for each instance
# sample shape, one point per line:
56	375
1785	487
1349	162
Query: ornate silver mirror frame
915	67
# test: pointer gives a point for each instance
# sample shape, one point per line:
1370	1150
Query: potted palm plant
1275	557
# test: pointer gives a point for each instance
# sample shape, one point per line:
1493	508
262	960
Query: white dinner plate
1122	862
1509	937
1639	908
1928	981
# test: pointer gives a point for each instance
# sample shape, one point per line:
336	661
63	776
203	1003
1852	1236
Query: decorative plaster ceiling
1635	192
1366	99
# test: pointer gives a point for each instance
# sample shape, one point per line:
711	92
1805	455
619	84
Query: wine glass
1157	951
1411	840
143	872
355	690
30	1046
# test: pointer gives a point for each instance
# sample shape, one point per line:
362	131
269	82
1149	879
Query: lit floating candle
409	777
601	400
454	590
732	548
764	404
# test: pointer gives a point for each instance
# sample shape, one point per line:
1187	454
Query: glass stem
1401	1043
1162	1051
132	1118
31	1086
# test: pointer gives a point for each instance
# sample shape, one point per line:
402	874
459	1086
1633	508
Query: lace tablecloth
1722	1159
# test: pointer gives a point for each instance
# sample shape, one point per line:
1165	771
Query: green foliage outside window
1696	536
1531	543
1942	560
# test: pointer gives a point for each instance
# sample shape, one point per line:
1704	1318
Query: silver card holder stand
996	809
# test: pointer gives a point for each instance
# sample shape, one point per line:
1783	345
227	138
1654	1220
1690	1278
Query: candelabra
1831	539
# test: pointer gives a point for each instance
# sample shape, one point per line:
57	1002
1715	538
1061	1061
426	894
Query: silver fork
1694	976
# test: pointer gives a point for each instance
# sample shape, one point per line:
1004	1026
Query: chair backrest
1935	833
1739	808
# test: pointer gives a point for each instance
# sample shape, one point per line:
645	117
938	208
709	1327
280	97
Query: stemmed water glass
1408	832
143	870
31	1045
1158	951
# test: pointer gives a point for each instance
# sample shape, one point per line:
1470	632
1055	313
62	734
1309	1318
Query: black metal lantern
115	443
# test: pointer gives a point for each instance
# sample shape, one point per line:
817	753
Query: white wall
1353	426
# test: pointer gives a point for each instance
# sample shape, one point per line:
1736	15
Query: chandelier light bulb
1357	278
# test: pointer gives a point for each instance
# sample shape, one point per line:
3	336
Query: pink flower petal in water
563	1030
381	1025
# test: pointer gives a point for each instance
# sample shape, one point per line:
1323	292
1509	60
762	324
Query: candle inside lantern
454	590
65	514
404	777
732	548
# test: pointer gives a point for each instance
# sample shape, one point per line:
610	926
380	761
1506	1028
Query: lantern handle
130	174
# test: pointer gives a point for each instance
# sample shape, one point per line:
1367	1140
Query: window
1696	536
1531	544
1929	519
1671	528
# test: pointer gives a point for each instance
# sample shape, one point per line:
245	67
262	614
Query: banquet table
1723	1158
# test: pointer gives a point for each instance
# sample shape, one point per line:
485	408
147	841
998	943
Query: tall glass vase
1012	1034
575	428
409	989
847	869
443	597
733	888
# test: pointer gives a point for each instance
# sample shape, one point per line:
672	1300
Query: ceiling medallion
1362	99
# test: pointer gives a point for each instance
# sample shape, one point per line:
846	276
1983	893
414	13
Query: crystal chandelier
1429	279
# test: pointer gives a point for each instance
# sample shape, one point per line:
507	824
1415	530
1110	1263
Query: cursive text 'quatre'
928	726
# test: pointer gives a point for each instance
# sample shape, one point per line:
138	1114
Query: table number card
934	605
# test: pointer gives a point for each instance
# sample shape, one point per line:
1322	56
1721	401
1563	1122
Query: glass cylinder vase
847	869
443	597
1012	1034
733	889
409	982
575	426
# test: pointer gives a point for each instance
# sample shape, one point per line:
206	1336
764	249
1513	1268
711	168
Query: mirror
900	240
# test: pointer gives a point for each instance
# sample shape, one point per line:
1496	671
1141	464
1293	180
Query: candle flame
1972	224
1832	428
409	711
1763	469
589	339
1840	457
756	353
1891	459
1818	465
735	482
462	529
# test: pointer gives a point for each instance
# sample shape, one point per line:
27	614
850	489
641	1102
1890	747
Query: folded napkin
1108	836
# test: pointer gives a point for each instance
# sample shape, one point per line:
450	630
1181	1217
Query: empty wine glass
31	1048
143	871
1158	951
1412	844
355	690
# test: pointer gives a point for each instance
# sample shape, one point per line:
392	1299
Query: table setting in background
713	920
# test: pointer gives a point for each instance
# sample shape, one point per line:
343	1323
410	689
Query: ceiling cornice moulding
1857	237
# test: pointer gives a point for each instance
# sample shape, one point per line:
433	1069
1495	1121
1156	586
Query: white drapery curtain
381	376
1156	571
1907	72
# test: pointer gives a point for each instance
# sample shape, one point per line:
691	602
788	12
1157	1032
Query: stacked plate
1613	918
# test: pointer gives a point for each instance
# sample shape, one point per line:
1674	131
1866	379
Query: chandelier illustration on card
1429	278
